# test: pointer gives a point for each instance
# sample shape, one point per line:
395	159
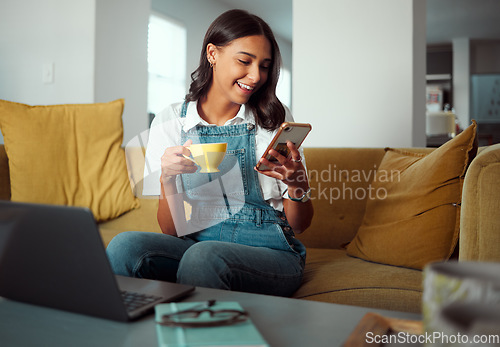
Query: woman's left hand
289	170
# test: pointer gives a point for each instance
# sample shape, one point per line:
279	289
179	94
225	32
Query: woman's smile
245	87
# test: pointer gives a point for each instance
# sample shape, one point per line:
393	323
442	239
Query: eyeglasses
203	316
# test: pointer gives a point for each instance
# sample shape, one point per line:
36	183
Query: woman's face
240	68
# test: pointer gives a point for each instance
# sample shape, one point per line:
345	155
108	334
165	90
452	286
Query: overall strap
184	109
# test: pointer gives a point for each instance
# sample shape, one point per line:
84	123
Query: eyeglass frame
239	316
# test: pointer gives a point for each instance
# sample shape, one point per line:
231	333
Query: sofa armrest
480	212
4	175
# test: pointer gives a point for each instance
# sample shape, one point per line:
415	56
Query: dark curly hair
230	26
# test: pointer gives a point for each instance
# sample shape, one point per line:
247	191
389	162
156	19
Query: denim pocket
232	179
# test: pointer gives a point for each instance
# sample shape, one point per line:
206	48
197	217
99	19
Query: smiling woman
240	232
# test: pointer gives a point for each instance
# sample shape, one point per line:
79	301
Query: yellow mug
207	155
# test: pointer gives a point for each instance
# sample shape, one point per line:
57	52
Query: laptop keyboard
135	300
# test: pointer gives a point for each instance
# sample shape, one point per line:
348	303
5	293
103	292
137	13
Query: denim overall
229	205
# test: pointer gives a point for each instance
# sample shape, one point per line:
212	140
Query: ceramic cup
468	324
208	155
451	282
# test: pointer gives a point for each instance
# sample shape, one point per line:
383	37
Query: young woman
241	232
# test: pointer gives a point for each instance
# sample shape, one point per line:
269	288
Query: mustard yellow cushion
412	216
68	155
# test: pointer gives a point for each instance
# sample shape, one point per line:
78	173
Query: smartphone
288	131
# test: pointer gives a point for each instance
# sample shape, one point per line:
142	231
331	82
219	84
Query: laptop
53	256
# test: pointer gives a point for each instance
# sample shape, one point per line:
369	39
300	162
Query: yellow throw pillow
68	155
414	217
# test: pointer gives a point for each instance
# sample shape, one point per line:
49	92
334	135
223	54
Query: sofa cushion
413	215
68	155
139	219
332	276
336	175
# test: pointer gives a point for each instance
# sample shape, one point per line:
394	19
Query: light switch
48	73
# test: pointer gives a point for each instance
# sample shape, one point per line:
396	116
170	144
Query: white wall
354	68
419	62
461	80
55	32
359	72
97	48
121	66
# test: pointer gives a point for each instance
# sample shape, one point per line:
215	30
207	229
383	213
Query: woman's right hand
173	163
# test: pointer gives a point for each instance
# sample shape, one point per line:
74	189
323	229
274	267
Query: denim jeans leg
239	267
147	255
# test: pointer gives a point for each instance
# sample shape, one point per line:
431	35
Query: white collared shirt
166	131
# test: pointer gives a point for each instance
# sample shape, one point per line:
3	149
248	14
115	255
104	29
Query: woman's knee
147	255
125	244
204	265
123	251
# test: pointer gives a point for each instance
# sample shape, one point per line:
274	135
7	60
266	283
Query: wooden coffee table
282	322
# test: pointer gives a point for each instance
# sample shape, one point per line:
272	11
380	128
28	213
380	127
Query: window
166	62
284	87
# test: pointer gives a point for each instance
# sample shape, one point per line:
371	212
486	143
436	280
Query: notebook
239	334
53	256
